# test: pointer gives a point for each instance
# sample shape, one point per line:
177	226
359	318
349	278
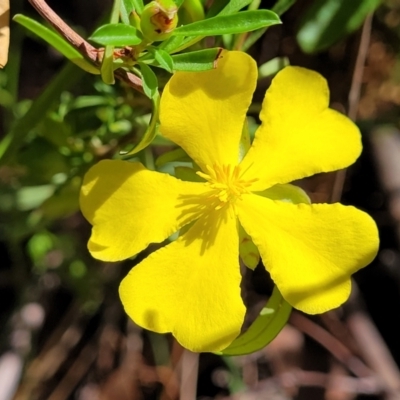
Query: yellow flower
191	287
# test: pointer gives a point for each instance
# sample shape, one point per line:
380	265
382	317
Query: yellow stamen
226	183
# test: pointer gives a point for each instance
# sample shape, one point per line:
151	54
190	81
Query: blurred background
63	333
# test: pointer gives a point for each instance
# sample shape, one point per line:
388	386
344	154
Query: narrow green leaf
187	174
286	192
172	43
327	21
115	11
234	6
282	6
245	21
57	42
164	59
170	156
151	131
273	317
150	82
116	35
201	60
216	7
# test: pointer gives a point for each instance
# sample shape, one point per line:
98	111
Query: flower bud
159	19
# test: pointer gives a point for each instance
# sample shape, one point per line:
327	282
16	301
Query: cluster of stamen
226	183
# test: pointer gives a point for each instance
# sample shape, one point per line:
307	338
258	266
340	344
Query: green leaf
216	7
234	6
327	21
64	201
116	35
245	21
201	60
138	5
107	66
187	174
178	2
172	43
231	7
191	11
127	7
273	317
150	82
273	66
30	197
151	131
248	251
286	192
164	59
57	42
282	6
245	141
171	156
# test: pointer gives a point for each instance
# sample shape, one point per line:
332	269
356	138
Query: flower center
226	183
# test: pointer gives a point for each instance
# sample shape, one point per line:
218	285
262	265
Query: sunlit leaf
57	42
116	35
201	60
151	130
245	21
172	43
150	82
164	59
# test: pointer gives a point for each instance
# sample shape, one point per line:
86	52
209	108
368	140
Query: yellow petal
204	112
310	250
299	136
192	286
130	207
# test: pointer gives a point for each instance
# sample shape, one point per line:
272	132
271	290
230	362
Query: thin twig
354	97
333	345
376	353
189	371
85	48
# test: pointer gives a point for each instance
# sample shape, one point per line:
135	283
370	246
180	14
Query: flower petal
204	112
310	250
130	207
192	286
299	136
